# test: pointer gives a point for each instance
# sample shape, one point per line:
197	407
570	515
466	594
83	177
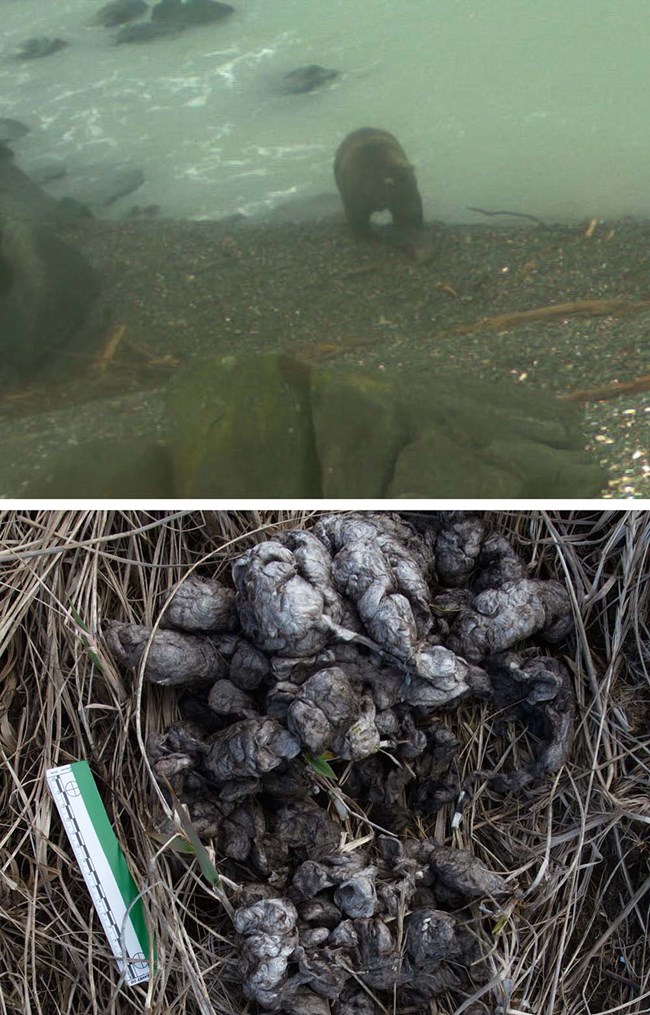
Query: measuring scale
103	866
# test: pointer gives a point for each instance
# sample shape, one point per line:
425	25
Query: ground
173	291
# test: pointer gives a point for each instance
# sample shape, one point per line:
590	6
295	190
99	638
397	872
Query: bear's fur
373	174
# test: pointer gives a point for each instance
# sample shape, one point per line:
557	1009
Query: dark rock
147	32
307	79
186	13
46	289
434	459
70	210
99	186
11	130
35	48
147	211
358	430
315	208
473	434
20	197
46	168
119	12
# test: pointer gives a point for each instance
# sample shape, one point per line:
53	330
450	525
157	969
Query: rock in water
118	12
20	197
99	186
307	79
192	12
11	130
146	32
46	287
34	49
44	169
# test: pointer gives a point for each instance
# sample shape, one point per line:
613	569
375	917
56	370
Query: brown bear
373	173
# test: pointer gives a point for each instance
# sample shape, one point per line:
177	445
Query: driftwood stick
577	308
607	391
556	311
109	349
517	214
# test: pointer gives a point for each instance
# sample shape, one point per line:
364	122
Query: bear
372	174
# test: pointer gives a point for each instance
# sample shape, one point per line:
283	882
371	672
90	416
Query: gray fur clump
201	604
174	658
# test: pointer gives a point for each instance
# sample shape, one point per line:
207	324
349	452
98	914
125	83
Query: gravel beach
174	291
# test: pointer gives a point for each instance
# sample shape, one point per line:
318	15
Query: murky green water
540	107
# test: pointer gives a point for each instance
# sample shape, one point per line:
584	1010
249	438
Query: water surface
540	108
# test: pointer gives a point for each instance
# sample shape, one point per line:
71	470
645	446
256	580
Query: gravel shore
174	291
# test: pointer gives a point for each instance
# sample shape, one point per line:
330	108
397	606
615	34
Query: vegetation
574	942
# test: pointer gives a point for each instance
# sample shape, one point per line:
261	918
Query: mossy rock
359	431
271	426
242	428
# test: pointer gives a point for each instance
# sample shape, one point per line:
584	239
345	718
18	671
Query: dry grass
575	941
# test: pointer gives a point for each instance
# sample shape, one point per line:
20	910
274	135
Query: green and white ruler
103	866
